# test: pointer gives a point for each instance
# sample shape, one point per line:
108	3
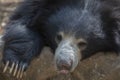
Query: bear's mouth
64	71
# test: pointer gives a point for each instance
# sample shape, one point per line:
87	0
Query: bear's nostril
65	66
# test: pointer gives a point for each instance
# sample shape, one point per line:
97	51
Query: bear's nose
64	65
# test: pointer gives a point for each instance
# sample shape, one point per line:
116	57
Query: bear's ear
116	15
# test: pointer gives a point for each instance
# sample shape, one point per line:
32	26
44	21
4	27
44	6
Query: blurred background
99	67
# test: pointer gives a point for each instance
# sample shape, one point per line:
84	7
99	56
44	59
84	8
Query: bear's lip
64	71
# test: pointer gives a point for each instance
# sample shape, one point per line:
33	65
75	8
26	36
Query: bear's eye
82	45
58	38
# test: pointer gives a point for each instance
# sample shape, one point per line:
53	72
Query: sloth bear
73	29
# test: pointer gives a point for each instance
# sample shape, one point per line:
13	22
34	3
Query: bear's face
68	52
74	29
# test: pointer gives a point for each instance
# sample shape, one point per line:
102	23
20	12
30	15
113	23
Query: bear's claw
6	66
17	70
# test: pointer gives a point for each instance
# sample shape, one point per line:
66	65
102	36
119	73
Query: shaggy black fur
36	23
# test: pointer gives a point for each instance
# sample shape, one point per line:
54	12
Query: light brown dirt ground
99	67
